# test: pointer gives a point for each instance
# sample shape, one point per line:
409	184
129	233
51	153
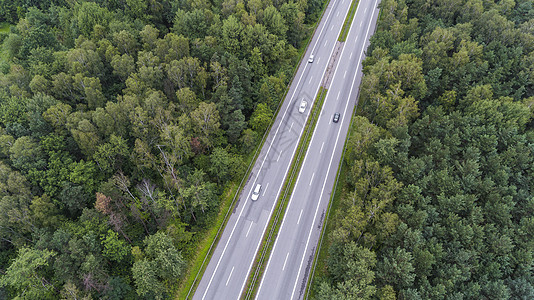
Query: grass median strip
348	20
275	222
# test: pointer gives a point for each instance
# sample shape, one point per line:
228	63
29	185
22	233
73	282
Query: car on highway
256	192
336	117
302	106
310	60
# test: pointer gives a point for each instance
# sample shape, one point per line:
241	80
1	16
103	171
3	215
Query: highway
288	268
228	269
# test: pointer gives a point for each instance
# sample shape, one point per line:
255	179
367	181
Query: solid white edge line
335	145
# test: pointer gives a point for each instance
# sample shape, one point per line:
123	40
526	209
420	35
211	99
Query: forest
437	200
122	122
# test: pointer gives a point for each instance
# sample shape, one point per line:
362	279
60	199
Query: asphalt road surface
287	270
228	269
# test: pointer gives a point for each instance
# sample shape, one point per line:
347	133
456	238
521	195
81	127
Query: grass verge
204	252
4	27
281	205
348	20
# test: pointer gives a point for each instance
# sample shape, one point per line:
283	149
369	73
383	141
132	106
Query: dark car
336	118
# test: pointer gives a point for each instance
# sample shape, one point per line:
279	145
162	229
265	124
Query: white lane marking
321	148
325	42
350	55
361	23
287	169
279	156
285	261
291	126
338	94
249	228
228	280
331	27
300	215
335	145
337	14
265	190
344	75
310	79
312	178
365	10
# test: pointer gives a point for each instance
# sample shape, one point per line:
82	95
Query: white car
310	60
302	106
256	192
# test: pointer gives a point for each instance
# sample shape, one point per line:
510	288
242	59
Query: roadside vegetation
436	197
125	129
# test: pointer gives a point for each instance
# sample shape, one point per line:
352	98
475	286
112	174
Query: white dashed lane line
230	275
285	261
249	228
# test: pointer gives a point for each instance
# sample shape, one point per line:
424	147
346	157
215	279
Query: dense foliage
121	123
438	201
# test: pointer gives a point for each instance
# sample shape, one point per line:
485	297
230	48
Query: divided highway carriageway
337	67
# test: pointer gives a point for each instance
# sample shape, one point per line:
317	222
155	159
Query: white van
256	192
